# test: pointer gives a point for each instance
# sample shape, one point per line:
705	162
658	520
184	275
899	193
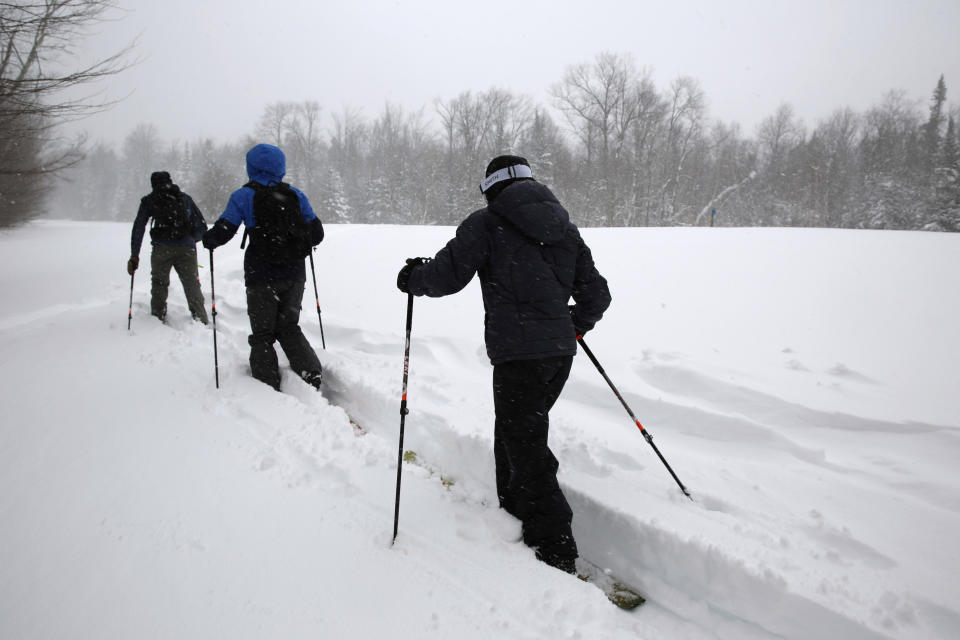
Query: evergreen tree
931	131
945	208
330	203
949	153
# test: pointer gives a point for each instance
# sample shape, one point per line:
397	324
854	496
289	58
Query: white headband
507	173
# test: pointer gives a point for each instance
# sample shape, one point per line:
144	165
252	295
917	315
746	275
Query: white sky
210	66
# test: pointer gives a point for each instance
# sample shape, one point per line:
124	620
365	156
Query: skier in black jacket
530	260
176	228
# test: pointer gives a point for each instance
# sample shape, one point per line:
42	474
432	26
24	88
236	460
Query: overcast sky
210	66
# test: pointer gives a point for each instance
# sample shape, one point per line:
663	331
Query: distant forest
618	151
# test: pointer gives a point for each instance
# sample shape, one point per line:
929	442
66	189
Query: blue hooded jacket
266	165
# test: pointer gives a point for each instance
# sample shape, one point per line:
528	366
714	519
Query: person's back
274	271
176	225
531	274
530	260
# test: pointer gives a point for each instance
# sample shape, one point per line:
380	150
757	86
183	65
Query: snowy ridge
143	502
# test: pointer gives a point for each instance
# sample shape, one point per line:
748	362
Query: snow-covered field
803	384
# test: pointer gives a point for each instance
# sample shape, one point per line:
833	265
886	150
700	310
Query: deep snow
802	383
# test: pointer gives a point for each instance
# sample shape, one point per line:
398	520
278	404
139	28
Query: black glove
580	326
208	241
403	278
132	264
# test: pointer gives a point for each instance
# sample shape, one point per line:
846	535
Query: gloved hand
580	326
207	239
403	278
132	264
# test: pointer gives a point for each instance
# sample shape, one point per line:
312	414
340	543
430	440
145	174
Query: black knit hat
159	179
509	169
502	162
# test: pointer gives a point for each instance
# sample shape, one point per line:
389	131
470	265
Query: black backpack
170	219
280	235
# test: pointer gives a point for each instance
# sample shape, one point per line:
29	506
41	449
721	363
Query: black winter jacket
197	224
530	259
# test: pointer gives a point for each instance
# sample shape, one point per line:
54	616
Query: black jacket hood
533	209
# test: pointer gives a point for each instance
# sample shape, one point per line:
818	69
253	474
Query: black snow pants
523	393
274	311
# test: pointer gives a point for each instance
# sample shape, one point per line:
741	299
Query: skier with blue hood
283	229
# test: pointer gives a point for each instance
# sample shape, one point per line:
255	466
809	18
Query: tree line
617	150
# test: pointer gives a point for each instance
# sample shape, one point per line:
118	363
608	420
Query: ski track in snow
740	561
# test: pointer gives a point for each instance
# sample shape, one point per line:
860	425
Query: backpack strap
243	241
256	186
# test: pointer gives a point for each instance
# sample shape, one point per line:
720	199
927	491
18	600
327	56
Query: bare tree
36	70
644	138
686	112
466	124
306	144
275	122
779	133
509	115
601	102
477	127
832	166
730	168
348	140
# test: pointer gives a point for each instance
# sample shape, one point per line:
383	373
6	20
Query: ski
617	591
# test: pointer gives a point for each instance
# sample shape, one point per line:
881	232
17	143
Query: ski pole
317	296
213	313
130	312
646	434
403	412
